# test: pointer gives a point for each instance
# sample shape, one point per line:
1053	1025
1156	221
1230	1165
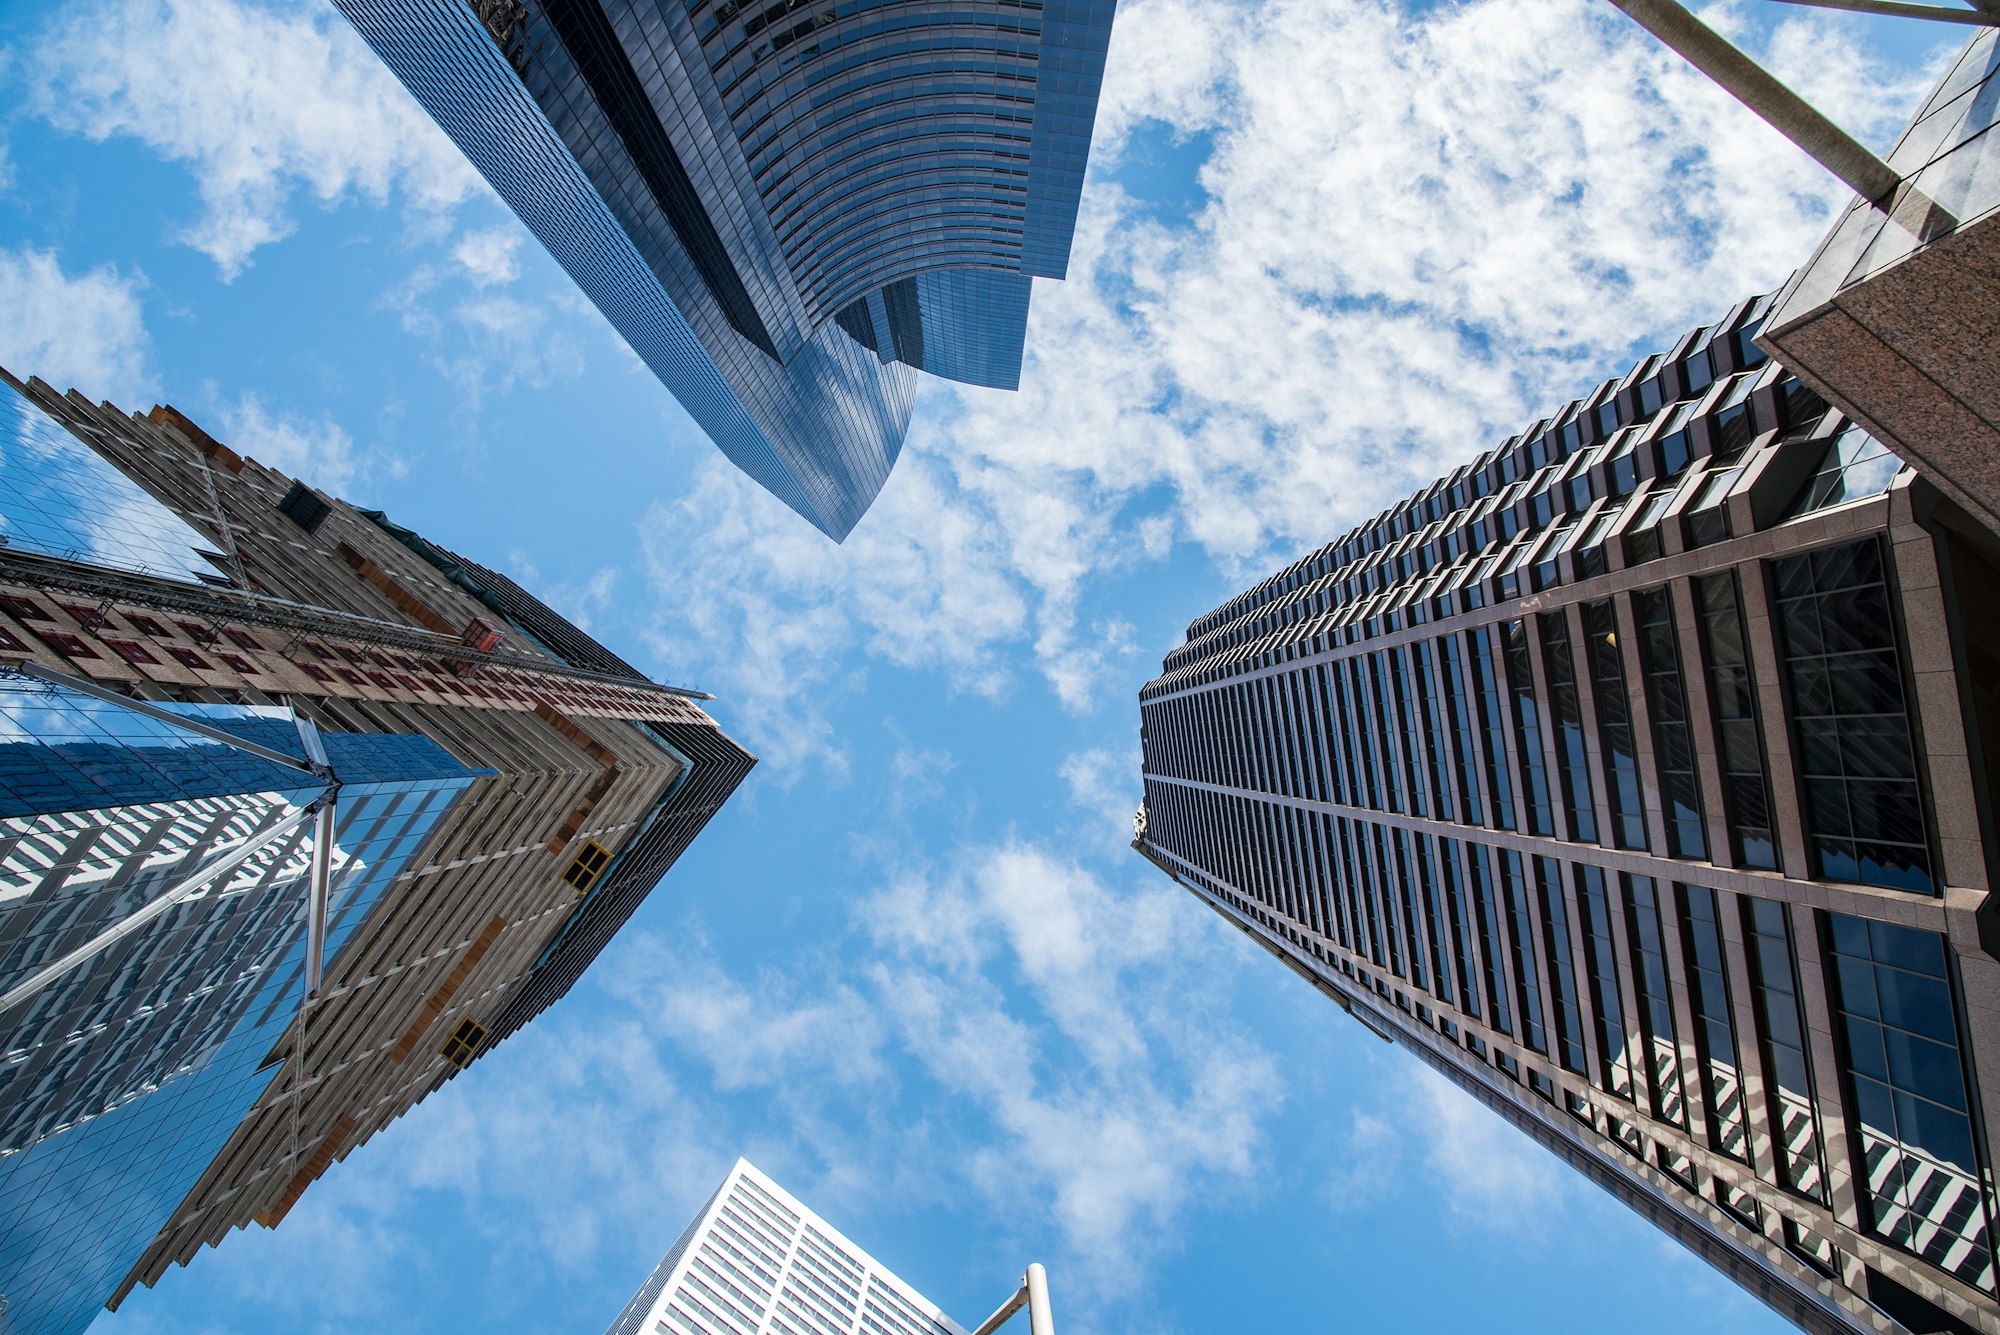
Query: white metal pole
1040	1322
318	892
1005	1311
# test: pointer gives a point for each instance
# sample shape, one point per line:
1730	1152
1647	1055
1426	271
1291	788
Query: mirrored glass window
1855	465
59	497
1844	683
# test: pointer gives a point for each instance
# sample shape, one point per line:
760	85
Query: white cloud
481	338
1081	1020
264	103
1489	1172
916	773
490	255
581	603
315	450
84	331
1024	1035
770	1033
1103	785
1419	231
767	607
1422	1137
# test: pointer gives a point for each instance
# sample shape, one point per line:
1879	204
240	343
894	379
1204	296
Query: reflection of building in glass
1637	776
180	1004
784	211
508	792
756	1261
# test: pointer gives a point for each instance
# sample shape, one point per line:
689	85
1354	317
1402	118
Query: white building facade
756	1261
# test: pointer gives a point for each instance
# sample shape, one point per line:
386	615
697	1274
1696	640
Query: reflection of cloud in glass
58	498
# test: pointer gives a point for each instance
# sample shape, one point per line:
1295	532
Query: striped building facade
1637	776
757	1261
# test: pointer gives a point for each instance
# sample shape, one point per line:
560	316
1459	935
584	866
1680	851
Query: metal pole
319	892
1005	1310
1033	1295
1784	110
1040	1322
1895	9
85	686
109	937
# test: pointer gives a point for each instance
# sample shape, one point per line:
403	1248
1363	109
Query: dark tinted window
1844	683
1905	1082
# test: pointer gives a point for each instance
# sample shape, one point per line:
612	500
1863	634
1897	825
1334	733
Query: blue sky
1328	249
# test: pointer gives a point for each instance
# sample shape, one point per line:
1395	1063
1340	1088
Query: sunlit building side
758	1261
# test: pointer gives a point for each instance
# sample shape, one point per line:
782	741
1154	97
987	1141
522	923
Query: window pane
1906	1081
1843	683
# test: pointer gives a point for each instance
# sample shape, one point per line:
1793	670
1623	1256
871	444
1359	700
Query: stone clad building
505	793
1638	776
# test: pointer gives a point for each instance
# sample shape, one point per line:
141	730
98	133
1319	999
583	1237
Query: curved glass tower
787	209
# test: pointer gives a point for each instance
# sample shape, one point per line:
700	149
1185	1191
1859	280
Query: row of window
1459	728
1709	354
1476	929
1513	541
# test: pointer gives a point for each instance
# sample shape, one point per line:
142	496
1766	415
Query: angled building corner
509	793
787	212
1638	777
1895	318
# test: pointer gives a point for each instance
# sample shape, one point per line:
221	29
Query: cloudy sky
1328	249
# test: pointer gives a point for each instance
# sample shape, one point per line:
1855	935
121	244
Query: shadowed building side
1638	777
509	792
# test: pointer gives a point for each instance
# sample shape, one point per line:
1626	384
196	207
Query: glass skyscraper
197	656
1638	777
786	209
756	1261
125	1076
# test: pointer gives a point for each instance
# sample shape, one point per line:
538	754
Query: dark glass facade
1659	729
506	792
784	210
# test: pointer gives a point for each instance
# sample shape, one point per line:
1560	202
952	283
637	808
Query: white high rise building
756	1261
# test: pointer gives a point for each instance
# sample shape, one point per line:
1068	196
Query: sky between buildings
1328	249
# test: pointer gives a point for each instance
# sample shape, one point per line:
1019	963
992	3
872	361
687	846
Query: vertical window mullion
1562	967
